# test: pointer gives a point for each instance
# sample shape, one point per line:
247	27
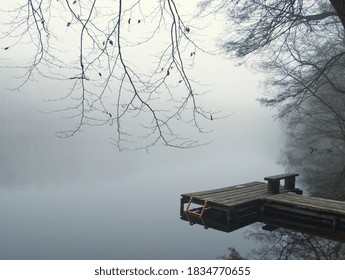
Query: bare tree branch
94	47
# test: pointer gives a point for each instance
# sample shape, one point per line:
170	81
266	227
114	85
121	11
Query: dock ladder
196	212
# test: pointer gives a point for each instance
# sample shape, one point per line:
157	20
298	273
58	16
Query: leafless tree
316	143
281	36
257	26
299	45
308	88
101	50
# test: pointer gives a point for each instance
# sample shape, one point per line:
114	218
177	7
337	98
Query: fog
81	198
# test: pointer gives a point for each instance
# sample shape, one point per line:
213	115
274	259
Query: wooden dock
231	208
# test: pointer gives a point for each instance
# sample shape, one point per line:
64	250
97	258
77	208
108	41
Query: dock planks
246	203
308	202
229	196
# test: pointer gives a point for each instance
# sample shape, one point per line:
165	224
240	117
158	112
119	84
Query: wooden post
289	183
273	186
183	201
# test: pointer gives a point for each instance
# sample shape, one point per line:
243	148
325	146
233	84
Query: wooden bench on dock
274	182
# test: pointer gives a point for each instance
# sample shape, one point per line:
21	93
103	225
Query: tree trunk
339	7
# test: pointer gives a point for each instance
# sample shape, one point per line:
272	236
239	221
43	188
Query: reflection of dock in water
228	209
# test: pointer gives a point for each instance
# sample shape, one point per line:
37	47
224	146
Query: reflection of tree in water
283	244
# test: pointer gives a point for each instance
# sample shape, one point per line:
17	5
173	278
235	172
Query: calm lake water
80	198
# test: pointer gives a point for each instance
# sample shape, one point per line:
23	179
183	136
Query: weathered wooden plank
281	176
231	188
303	211
239	198
237	195
292	212
234	194
235	191
314	199
319	204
